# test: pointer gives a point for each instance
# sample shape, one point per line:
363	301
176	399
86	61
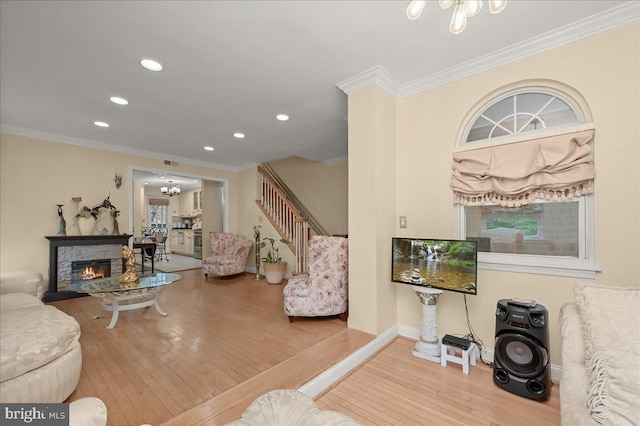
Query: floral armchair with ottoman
323	291
600	381
229	253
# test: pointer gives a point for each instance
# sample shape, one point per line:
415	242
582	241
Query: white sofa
40	355
600	381
28	282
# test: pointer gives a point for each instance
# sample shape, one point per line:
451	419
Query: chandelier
170	190
462	10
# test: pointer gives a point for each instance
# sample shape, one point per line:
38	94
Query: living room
400	157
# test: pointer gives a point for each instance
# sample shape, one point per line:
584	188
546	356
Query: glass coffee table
118	297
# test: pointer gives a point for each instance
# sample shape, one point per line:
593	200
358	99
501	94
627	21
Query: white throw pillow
611	330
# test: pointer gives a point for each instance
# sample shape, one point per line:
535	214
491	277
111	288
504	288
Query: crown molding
613	18
375	75
20	131
246	166
596	24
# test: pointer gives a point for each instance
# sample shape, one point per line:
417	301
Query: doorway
183	204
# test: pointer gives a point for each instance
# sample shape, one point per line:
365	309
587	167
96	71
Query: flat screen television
442	264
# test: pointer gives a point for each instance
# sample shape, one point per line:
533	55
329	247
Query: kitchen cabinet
190	203
197	201
182	242
184	204
174	204
173	241
188	243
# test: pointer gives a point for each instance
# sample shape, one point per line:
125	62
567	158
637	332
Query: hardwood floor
225	342
218	334
395	388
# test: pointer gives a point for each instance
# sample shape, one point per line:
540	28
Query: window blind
158	202
553	168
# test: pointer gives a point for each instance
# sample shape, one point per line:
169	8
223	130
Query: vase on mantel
87	225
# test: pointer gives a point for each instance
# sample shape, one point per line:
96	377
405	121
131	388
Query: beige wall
36	174
372	177
322	189
605	70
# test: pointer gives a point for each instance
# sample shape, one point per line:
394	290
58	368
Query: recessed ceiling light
195	180
208	148
146	183
282	117
163	177
151	65
101	124
119	101
238	135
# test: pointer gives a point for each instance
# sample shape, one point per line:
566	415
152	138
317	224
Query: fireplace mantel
57	241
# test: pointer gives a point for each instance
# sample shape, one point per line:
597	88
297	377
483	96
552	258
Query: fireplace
84	270
70	252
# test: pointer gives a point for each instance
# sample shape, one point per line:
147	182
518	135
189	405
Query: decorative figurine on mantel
116	228
62	230
129	278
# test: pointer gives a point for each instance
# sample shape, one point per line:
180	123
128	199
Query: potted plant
274	267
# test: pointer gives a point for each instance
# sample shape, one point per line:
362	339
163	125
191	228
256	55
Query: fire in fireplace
84	270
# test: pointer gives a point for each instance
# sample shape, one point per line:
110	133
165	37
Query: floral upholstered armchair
229	253
324	290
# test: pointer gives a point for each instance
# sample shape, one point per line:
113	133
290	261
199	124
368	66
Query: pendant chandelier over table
170	190
462	10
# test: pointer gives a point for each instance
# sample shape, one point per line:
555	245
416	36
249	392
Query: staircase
286	213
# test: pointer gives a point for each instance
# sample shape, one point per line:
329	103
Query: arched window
527	110
522	180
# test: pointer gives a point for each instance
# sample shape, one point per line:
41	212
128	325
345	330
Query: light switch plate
403	221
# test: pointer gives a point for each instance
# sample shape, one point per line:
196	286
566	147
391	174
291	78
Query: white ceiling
231	66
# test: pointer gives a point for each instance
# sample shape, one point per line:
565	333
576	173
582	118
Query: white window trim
582	267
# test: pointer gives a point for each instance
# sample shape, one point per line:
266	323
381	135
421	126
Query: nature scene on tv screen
445	264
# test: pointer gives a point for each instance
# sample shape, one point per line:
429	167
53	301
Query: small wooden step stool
448	353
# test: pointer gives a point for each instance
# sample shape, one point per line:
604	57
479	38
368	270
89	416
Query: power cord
472	335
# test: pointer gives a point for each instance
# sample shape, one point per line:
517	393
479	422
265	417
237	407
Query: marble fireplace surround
64	249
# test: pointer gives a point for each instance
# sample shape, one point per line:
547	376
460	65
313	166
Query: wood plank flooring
291	374
218	334
395	388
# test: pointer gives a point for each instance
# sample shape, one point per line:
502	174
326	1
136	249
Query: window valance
158	202
553	168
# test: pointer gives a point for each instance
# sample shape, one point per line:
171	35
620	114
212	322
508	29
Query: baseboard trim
487	354
323	381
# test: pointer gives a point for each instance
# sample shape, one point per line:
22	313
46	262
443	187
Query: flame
89	274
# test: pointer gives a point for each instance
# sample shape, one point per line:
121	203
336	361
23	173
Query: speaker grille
521	355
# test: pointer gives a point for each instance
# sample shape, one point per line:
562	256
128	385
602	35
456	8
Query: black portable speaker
521	357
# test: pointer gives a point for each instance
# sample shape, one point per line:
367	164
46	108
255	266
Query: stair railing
315	226
284	217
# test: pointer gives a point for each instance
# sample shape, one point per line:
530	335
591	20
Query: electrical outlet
403	221
259	218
